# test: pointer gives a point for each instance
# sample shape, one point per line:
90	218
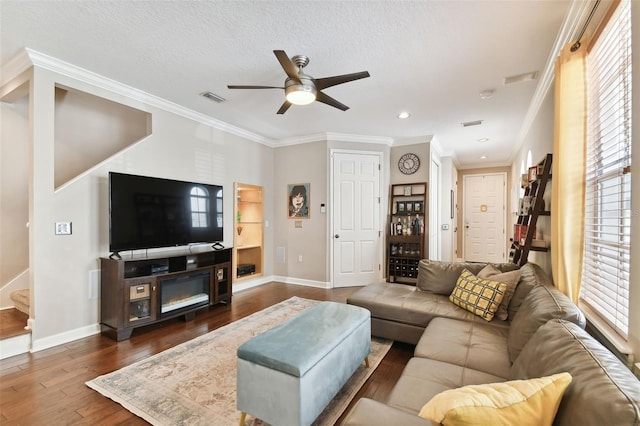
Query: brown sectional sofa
543	335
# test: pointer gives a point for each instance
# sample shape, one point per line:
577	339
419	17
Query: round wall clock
409	163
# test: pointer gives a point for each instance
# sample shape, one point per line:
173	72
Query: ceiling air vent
212	96
472	123
521	78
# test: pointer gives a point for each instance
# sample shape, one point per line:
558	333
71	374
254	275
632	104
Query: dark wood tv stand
145	290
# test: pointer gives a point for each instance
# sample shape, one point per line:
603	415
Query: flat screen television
147	212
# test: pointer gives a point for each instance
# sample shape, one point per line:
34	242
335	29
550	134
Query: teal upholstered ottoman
288	375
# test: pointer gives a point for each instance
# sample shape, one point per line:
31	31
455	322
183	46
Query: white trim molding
300	281
335	137
66	337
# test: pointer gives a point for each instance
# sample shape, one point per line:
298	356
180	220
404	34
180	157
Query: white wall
63	269
448	240
309	163
539	140
295	164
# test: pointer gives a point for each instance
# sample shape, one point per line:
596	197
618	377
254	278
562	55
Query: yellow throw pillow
519	402
476	295
510	278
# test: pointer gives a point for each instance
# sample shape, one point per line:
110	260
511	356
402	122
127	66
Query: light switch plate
63	228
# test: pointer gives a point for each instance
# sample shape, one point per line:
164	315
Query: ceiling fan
301	88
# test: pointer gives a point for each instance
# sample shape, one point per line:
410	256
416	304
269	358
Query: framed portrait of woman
298	201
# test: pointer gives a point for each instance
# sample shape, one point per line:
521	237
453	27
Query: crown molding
29	57
578	12
334	137
413	141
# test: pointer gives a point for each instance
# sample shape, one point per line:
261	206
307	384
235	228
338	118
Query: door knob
336	236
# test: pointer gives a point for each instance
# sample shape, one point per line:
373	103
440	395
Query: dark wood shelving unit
405	250
535	191
142	291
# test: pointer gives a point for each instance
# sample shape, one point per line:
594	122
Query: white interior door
485	218
357	236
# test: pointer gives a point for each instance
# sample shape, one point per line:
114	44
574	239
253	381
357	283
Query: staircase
15	336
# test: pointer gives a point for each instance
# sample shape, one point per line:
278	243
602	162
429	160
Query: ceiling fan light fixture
300	94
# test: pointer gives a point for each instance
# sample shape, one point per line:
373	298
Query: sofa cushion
542	304
441	277
531	276
423	378
603	390
510	278
481	347
403	304
523	402
367	412
478	296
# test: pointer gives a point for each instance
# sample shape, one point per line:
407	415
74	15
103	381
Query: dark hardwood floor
47	387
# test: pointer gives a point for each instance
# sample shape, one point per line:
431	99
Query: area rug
194	383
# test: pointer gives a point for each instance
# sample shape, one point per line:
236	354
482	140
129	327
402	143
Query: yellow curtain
568	178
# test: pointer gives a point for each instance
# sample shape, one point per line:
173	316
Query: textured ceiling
431	58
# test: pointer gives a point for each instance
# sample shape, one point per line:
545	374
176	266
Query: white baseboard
300	281
251	283
245	285
66	337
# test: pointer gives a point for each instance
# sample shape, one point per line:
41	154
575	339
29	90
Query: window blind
605	283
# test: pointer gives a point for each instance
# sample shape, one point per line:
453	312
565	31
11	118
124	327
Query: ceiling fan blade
323	83
253	87
285	106
326	99
287	65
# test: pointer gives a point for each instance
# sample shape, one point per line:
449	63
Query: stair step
21	300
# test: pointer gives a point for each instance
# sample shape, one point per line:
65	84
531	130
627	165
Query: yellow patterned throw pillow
478	296
519	402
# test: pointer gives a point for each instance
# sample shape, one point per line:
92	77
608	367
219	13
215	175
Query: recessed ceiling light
483	140
404	114
483	157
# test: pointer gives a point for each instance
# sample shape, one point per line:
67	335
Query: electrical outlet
300	258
